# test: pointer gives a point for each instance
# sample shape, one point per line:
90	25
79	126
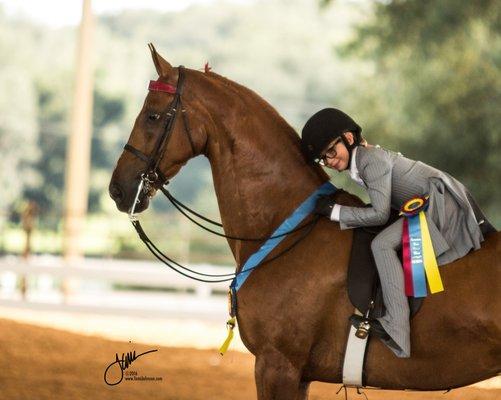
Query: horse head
162	140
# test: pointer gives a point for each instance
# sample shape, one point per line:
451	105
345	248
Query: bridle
154	177
152	174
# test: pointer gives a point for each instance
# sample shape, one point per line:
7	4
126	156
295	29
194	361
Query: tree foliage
421	77
434	90
238	41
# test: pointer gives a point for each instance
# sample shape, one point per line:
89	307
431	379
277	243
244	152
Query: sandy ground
170	332
46	363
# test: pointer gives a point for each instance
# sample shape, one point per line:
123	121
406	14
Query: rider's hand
324	206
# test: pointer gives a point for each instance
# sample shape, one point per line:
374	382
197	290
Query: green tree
18	117
434	89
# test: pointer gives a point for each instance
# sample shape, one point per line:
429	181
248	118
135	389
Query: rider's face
336	155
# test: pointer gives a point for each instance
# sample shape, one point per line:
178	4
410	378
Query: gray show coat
391	179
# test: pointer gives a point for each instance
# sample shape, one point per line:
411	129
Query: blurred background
423	80
420	77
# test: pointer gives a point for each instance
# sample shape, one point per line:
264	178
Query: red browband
161	87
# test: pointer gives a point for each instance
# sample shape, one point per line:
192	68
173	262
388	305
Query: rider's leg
396	320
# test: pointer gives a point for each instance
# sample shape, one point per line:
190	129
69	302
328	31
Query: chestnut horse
293	312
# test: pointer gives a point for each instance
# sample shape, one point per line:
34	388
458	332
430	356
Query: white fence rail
91	287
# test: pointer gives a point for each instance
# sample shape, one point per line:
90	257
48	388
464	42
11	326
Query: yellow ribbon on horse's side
230	324
429	259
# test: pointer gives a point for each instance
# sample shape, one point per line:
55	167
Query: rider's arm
375	169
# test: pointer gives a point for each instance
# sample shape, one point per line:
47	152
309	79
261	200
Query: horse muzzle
124	200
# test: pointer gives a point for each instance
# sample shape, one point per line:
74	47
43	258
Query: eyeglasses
329	153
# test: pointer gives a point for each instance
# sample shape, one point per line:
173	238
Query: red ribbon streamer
406	258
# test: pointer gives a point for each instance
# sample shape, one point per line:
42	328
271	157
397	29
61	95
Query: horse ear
162	66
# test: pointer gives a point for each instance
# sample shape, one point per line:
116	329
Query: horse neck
260	176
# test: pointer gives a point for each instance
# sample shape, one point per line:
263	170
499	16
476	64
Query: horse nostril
116	193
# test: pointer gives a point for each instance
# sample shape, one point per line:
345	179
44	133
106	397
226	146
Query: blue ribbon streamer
416	249
290	223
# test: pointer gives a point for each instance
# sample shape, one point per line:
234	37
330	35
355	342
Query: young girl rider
456	224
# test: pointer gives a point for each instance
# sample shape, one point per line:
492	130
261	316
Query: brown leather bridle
152	175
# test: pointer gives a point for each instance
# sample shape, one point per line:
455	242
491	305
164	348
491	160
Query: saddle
364	287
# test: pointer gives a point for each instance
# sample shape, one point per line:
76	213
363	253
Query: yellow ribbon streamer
429	259
230	324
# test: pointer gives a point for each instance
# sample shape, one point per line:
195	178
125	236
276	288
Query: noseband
152	173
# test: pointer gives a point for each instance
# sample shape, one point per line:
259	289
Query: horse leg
278	379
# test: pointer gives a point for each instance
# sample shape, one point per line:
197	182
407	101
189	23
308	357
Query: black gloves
324	205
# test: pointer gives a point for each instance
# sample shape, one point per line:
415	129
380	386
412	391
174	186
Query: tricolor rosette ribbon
419	261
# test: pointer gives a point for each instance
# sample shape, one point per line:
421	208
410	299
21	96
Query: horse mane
240	90
228	83
342	197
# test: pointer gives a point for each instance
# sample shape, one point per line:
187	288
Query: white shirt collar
353	168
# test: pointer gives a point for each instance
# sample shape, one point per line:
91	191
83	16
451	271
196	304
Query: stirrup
364	325
363	329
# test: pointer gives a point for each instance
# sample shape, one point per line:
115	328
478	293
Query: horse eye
153	117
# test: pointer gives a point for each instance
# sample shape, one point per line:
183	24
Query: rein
226	277
182	208
153	175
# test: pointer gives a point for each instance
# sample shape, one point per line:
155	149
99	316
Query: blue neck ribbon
290	223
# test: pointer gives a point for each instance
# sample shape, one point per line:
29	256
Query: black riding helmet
323	127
